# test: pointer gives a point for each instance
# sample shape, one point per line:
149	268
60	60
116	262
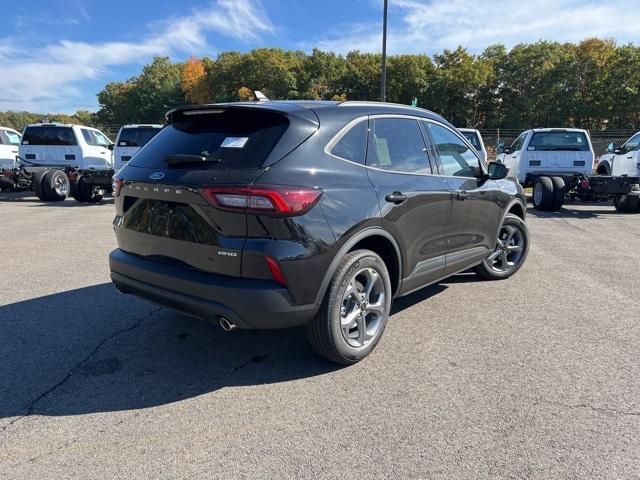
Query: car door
512	158
9	142
477	202
627	160
96	152
414	202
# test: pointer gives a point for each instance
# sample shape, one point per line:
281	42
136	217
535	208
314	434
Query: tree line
593	84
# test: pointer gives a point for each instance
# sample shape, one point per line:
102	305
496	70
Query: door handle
396	197
462	195
629	158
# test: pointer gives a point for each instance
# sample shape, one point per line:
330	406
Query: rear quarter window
352	145
54	136
236	139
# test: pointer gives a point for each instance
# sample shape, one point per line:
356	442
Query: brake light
116	186
272	200
584	184
276	271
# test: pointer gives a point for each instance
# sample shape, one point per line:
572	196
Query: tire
543	194
559	193
627	203
36	185
56	185
84	192
325	331
494	268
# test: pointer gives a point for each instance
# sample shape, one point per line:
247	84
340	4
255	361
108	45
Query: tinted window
559	141
397	144
353	144
136	137
473	139
234	138
456	157
49	136
519	142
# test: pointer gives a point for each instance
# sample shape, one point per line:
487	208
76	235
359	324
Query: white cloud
430	26
45	78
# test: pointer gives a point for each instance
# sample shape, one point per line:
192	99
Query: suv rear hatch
129	141
50	144
559	150
166	209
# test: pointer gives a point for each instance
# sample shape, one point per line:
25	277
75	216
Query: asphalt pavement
535	377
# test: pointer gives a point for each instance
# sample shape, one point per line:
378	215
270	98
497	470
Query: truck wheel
55	185
84	192
543	194
627	203
36	185
354	311
559	192
510	252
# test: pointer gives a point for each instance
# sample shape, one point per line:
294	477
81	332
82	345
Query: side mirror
497	171
110	146
611	147
619	151
500	147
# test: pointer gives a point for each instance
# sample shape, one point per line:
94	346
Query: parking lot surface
534	377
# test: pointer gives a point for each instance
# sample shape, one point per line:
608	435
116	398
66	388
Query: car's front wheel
510	252
354	311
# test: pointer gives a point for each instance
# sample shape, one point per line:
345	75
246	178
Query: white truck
558	163
624	160
56	160
475	139
129	140
9	142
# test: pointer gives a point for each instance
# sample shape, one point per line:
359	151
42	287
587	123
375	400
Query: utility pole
383	79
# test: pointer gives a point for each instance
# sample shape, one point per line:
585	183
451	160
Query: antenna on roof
259	96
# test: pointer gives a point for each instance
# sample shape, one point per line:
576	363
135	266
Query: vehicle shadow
583	210
95	350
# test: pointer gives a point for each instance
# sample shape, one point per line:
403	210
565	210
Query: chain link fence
600	139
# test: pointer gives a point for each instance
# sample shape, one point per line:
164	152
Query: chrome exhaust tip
226	325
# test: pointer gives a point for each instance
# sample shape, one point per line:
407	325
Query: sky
55	56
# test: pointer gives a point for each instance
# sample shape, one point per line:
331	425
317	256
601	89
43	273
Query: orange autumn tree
193	81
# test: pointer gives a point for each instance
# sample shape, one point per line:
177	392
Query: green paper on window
382	149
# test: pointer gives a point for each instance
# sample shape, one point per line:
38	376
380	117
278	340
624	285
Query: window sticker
234	142
531	148
123	144
382	148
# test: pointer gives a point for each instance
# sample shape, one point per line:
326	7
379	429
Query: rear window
236	139
473	139
136	137
559	141
49	136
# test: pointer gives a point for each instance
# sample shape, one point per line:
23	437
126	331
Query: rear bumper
248	303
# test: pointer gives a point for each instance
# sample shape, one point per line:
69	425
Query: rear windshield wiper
183	159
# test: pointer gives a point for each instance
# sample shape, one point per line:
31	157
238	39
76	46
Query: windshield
9	138
136	137
559	141
50	135
473	139
232	138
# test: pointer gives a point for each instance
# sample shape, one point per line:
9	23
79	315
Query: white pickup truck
130	139
56	160
624	160
558	162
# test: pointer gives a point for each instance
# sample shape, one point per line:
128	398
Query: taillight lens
116	185
272	200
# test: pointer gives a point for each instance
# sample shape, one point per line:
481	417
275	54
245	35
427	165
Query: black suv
280	214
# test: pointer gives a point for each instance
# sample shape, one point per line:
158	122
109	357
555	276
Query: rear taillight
272	200
116	185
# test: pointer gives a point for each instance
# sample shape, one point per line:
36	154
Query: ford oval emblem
156	176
